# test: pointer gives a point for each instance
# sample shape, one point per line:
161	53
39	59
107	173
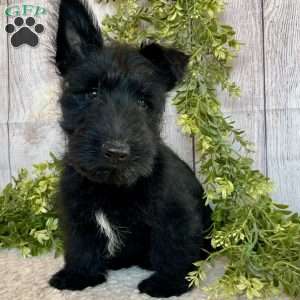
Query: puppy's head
113	98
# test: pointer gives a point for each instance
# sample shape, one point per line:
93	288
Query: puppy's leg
83	244
84	265
176	243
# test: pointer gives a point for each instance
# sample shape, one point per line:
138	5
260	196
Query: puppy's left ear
170	63
76	33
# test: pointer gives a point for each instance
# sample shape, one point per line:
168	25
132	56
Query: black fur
113	98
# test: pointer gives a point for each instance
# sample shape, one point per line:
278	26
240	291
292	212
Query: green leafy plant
260	238
27	216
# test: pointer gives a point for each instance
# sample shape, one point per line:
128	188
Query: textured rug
26	279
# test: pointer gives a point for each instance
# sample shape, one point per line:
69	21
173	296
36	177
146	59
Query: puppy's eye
142	103
80	131
93	93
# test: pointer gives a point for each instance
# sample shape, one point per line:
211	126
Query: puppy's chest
113	233
119	226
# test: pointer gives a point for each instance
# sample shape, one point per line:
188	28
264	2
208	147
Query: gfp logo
25	10
24	28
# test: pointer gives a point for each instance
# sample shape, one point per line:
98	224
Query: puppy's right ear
75	35
170	63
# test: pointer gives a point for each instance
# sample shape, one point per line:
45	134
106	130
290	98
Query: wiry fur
148	203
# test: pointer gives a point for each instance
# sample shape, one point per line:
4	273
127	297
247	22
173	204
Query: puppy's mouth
122	174
112	176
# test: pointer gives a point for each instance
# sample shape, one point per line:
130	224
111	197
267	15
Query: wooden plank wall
282	43
267	70
5	170
32	121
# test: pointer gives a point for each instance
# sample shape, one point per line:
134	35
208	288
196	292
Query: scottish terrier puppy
126	198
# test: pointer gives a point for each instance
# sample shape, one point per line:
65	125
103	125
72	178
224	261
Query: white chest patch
112	233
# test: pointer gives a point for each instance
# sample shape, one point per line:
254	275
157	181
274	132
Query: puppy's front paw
157	286
66	280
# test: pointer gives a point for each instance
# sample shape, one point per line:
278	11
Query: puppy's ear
170	63
76	33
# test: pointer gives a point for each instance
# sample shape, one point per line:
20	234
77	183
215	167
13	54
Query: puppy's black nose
116	151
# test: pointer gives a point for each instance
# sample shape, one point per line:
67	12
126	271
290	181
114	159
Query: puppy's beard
125	176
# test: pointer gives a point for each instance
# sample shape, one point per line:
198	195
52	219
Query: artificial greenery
27	216
260	238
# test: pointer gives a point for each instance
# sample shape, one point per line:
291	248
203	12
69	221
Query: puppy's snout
116	151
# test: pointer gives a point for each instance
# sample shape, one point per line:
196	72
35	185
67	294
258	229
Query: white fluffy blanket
26	279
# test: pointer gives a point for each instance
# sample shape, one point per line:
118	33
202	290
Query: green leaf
27	216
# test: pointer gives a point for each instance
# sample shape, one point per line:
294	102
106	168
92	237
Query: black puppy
126	198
